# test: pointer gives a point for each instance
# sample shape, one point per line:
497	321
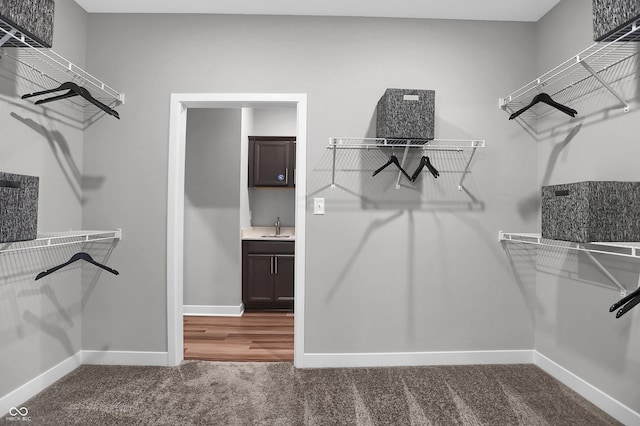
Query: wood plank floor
255	336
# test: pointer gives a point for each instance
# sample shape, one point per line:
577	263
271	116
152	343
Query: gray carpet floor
215	393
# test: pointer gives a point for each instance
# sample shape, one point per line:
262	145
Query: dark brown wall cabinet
267	274
272	161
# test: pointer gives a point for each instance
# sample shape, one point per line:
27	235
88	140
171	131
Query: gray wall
40	322
212	252
573	325
269	203
405	275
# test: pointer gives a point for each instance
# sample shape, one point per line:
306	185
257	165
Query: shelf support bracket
404	157
623	291
466	168
606	85
7	36
333	169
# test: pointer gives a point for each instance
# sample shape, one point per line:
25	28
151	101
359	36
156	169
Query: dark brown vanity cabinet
272	161
267	274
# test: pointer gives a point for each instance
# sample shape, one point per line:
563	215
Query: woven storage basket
18	207
609	16
591	211
406	114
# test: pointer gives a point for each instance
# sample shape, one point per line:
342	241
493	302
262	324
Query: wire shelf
47	70
625	249
445	144
583	73
54	239
336	144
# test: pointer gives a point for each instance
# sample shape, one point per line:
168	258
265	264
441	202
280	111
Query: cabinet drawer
268	247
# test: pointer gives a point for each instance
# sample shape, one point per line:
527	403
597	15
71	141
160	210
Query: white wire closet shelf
426	144
55	239
579	75
624	249
47	70
337	143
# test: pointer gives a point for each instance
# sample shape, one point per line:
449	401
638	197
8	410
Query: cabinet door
259	282
283	279
270	163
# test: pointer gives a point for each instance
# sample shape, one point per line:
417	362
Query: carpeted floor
216	393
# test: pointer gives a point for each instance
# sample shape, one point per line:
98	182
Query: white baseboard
606	403
36	385
213	310
125	358
392	359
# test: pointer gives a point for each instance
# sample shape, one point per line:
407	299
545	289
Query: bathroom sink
275	236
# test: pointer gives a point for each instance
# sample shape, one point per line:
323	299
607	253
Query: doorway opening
180	104
256	336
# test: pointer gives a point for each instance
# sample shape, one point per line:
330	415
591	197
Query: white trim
180	102
124	358
300	222
175	230
605	402
36	385
394	359
213	310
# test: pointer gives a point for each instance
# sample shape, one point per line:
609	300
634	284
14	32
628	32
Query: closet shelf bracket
7	36
466	168
631	250
606	85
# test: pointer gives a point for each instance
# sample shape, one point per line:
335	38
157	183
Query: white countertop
267	233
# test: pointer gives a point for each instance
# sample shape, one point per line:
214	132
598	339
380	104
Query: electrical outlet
318	206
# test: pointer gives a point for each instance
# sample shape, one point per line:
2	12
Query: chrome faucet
277	224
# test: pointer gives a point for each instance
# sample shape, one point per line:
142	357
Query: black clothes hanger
630	305
73	90
74	258
545	98
64	86
631	300
424	162
393	160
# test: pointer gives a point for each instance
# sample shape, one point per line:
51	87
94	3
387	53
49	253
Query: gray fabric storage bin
610	16
406	114
591	211
32	17
18	207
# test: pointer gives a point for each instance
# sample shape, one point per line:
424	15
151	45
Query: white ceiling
485	10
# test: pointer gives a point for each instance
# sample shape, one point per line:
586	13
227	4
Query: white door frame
180	102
